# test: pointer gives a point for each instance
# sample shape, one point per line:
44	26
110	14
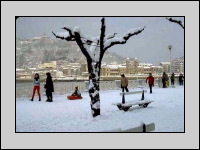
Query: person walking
164	79
181	79
124	83
49	87
150	80
172	79
36	82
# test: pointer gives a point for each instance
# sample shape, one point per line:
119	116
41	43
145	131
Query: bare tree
94	48
176	21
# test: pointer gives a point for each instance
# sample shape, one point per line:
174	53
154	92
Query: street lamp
170	47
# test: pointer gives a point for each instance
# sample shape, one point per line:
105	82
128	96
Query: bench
134	92
125	106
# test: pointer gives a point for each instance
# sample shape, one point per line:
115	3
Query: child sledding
76	95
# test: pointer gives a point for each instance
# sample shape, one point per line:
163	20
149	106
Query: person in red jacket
150	79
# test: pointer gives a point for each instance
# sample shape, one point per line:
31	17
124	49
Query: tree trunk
94	88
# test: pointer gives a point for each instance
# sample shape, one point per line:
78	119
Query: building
72	69
131	66
113	70
104	70
51	65
60	64
157	69
166	66
84	67
177	65
59	74
146	68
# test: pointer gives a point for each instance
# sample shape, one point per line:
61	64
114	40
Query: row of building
131	67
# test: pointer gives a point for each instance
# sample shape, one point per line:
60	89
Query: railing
25	89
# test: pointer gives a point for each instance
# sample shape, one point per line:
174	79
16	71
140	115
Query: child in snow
36	82
76	95
150	80
76	92
49	87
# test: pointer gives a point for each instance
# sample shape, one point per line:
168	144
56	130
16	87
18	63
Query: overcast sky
151	46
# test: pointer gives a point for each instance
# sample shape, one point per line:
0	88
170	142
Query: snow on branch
122	40
176	21
64	36
110	36
69	30
70	35
74	35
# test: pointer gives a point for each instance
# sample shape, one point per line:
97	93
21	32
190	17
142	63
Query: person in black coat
49	87
181	79
164	78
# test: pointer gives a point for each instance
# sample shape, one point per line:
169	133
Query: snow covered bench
134	92
125	106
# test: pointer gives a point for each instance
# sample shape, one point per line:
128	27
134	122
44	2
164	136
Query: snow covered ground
167	112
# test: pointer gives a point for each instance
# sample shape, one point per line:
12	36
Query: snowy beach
167	112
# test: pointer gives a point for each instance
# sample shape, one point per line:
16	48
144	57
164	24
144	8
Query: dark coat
181	78
49	85
172	77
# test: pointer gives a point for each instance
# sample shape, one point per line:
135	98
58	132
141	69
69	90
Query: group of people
48	86
150	81
124	84
165	79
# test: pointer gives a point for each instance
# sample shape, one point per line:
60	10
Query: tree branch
176	21
102	35
89	42
81	46
69	30
76	37
68	38
110	36
122	40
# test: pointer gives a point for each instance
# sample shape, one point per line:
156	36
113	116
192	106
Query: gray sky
151	46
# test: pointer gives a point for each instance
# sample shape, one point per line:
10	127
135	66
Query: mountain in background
32	52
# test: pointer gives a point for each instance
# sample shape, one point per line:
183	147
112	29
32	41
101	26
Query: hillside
32	52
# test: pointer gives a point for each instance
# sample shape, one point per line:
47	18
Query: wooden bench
125	106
